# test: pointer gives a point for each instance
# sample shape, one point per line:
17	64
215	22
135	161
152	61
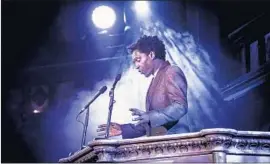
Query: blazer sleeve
132	131
176	87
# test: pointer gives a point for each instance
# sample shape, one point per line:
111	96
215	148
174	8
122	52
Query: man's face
143	63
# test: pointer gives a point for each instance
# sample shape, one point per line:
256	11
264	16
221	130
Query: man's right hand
114	130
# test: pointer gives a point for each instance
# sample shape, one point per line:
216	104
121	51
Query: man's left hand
142	117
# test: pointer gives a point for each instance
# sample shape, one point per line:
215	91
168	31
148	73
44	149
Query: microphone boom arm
101	91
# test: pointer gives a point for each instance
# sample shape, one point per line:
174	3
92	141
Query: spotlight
103	17
36	111
141	8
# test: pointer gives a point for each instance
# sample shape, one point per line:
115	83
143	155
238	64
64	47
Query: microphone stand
112	101
85	128
102	90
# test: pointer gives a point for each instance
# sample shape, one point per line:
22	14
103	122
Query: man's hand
142	116
114	130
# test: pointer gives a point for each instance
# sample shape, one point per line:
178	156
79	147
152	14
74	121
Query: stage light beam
142	8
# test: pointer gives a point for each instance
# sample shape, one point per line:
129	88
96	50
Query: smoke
130	92
182	50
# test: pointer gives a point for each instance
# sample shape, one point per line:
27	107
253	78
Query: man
166	100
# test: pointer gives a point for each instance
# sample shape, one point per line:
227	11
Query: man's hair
146	44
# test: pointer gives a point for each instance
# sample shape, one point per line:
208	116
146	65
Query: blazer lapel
147	103
153	85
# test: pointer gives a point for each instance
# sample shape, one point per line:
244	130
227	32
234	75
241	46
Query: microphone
118	77
101	91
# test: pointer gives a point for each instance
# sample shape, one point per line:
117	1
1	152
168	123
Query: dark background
25	25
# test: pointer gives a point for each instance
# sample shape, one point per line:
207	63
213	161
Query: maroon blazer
163	90
166	104
169	86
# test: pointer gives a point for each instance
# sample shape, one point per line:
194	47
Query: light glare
103	17
142	8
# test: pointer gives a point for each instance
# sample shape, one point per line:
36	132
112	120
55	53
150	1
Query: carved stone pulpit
208	145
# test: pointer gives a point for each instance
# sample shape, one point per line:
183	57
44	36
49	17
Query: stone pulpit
208	145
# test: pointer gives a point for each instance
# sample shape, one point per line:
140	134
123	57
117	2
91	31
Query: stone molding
206	141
